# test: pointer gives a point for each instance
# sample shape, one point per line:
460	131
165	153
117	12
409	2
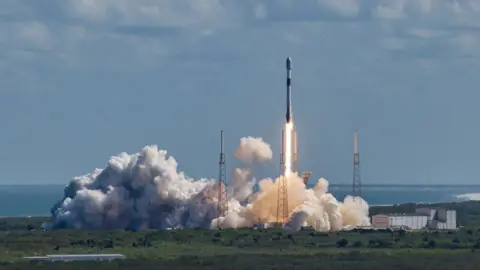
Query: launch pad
289	166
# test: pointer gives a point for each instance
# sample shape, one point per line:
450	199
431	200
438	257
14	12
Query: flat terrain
324	261
248	248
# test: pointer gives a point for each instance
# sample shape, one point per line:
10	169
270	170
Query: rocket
291	136
289	114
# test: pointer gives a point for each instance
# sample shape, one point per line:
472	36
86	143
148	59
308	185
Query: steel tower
282	199
222	204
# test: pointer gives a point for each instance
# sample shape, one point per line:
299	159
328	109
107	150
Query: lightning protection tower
222	206
282	200
357	184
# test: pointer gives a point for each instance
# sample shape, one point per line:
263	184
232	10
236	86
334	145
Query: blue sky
82	80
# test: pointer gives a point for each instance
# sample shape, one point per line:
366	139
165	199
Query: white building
436	219
77	257
412	221
441	219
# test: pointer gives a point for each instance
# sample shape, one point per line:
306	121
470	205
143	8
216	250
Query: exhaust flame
288	148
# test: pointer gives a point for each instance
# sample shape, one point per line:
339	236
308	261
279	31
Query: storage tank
444	220
442	215
451	220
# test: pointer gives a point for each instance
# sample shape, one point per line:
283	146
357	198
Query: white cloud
259	11
90	9
424	33
355	58
390	11
34	33
466	44
392	43
182	13
87	33
347	8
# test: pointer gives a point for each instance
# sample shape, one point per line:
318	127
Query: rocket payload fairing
289	114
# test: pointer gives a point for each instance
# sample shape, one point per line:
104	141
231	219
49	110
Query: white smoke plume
253	150
242	186
145	191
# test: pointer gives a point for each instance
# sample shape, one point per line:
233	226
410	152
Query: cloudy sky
81	80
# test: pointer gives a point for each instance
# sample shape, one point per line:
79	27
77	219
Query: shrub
342	243
358	244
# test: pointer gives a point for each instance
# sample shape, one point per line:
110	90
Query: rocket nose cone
289	63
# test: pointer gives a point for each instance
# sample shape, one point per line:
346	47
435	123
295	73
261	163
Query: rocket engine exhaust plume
146	191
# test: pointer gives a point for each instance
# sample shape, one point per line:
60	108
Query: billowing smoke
253	150
145	190
242	186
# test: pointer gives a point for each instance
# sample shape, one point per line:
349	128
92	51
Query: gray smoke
145	191
242	186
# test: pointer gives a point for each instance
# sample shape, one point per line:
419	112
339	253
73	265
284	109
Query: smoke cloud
253	150
146	191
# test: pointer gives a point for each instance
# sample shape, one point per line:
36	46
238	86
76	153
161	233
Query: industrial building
423	218
412	221
440	219
77	257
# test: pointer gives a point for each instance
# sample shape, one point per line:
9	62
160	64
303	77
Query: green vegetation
344	261
247	248
22	223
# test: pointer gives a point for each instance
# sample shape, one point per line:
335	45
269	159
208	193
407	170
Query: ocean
37	200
